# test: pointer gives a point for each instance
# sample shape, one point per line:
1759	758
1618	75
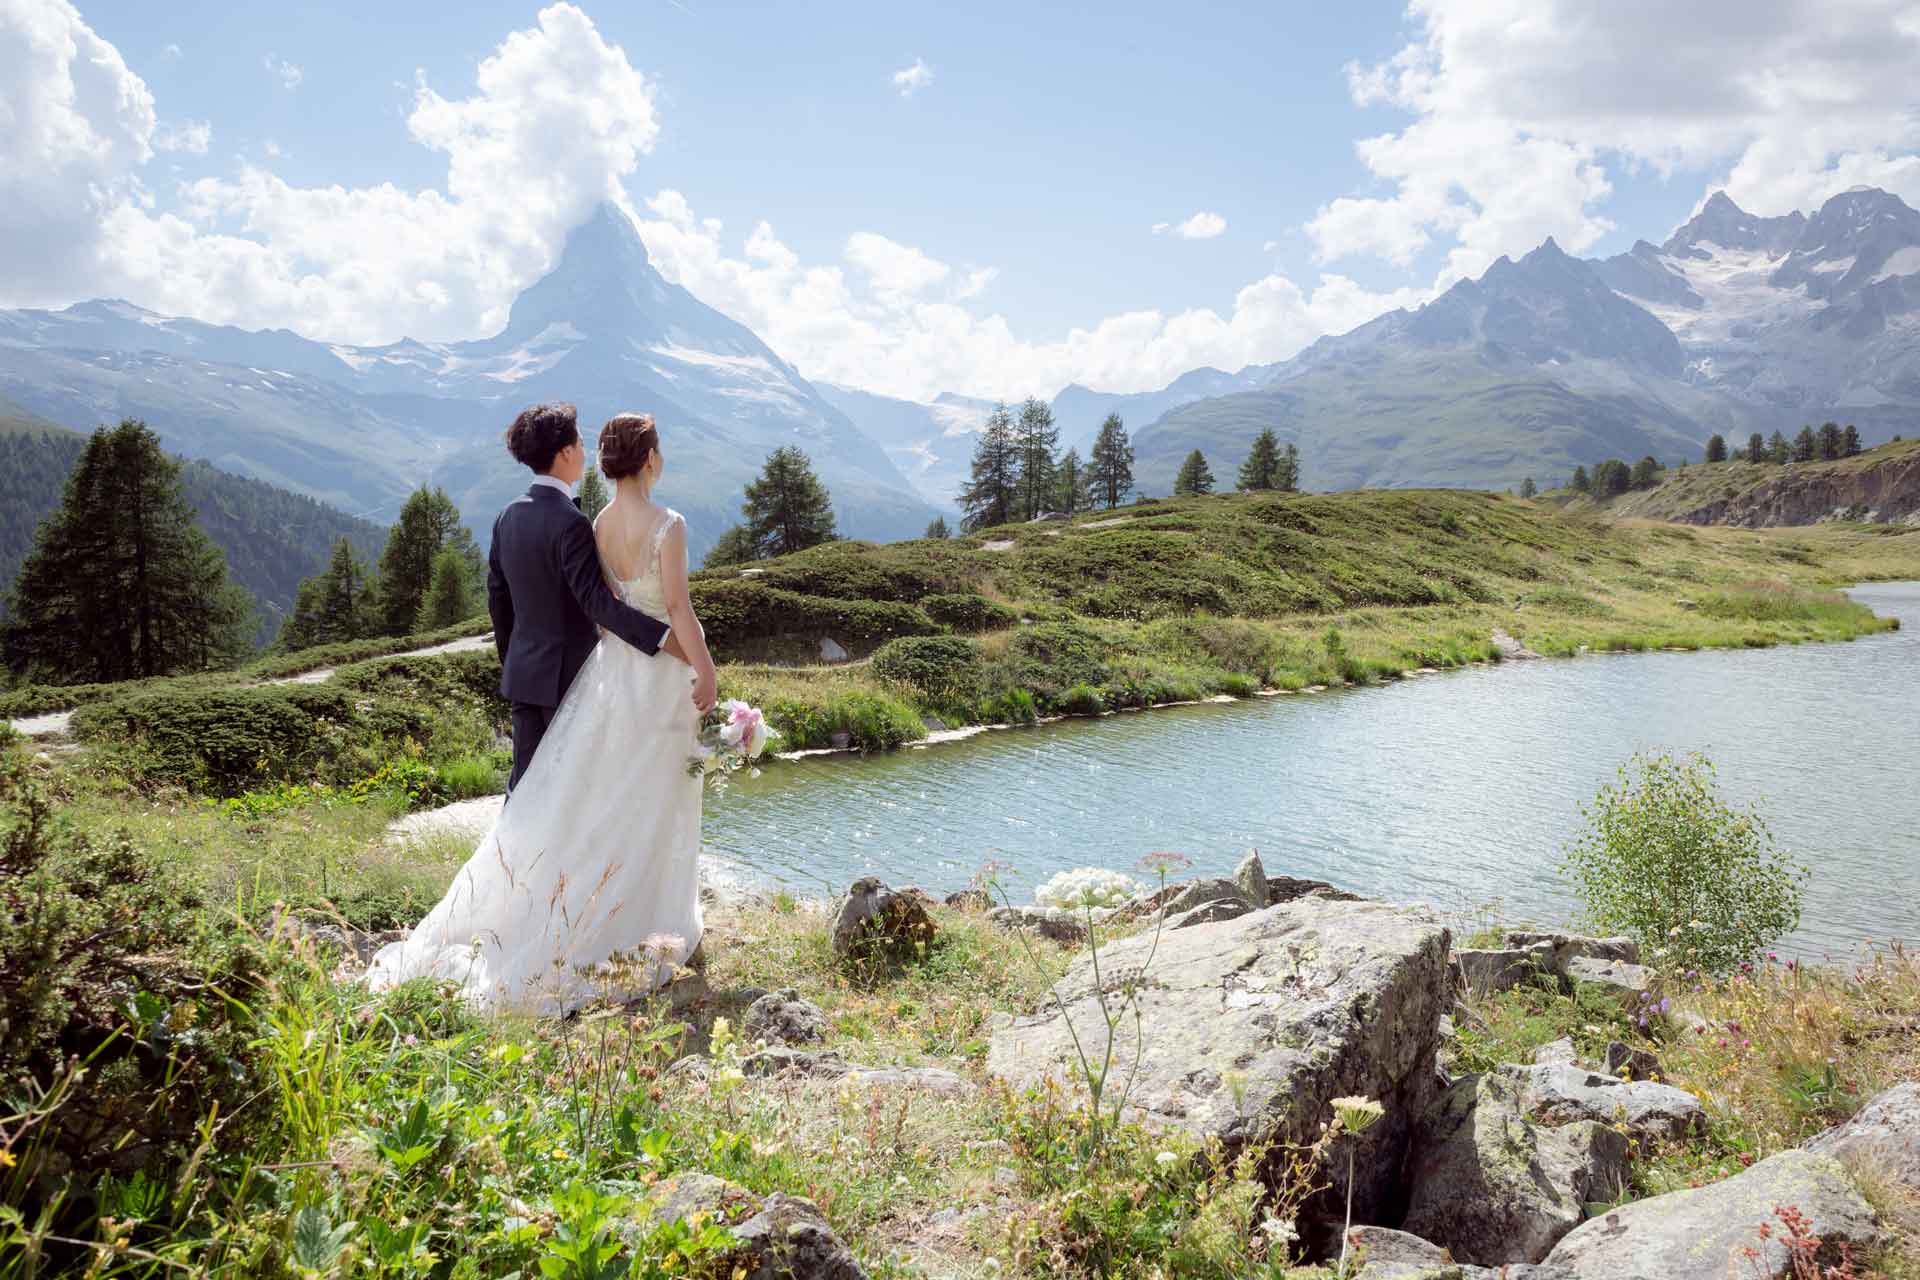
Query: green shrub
1561	600
967	612
1011	706
297	661
1231	644
1779	602
1238	686
875	722
1664	860
1071	654
943	670
224	739
739	614
1082	700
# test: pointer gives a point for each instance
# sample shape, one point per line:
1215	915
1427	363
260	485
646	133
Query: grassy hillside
1881	484
272	538
1423	418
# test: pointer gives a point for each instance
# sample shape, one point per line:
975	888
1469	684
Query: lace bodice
647	593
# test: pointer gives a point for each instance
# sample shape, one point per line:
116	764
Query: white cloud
272	149
908	80
192	135
895	270
1522	106
288	73
1201	226
171	51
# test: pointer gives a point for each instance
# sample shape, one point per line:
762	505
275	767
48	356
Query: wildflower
1357	1114
7	1160
1166	1159
1664	1006
1773	957
1165	864
411	1040
1280	1232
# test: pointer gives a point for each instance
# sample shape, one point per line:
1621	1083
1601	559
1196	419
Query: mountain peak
1726	225
598	282
1722	204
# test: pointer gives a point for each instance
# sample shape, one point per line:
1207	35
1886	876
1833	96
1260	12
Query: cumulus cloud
1522	108
171	51
286	72
191	135
909	80
1201	226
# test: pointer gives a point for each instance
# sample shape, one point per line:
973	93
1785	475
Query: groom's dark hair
539	434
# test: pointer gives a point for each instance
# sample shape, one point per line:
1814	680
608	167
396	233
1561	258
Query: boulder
1286	888
782	1017
877	923
1251	876
1559	1051
780	1237
1622	979
1493	1187
1631	1062
1395	1255
1211	912
1056	924
1200	892
1882	1141
1561	1092
971	900
1570	946
1704	1233
1486	972
1251	1027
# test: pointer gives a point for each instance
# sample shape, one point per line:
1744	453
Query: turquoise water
1457	789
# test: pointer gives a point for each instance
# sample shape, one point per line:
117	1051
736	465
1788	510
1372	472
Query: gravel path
56	725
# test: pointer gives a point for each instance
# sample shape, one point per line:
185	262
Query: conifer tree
1111	464
1288	480
938	529
1528	488
451	597
122	583
1261	470
787	508
1778	450
428	522
1195	478
1756	448
1849	442
333	606
1646	473
734	547
1070	484
1831	441
1038	438
593	494
992	494
1717	448
1612	478
1806	447
1580	483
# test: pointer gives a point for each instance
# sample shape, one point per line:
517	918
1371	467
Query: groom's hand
671	647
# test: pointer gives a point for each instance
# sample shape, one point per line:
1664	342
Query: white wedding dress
589	883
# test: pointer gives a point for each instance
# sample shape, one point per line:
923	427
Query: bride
588	884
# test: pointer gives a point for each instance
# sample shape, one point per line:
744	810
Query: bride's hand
706	690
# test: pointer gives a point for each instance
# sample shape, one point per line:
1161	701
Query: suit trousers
529	726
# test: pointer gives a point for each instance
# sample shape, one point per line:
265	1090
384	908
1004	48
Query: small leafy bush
738	614
1082	700
967	612
1070	654
1666	861
944	670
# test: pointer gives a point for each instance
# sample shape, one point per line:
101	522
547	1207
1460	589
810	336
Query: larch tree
1261	470
787	509
593	494
1070	484
333	606
992	493
428	522
1111	463
1194	478
1038	438
1717	448
938	529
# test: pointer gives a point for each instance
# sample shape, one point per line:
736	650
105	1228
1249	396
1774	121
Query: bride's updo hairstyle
626	443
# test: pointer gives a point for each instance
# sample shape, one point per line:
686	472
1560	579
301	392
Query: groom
545	588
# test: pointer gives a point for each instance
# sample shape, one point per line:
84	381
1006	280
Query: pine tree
1195	477
451	597
593	494
1831	441
1646	473
1779	451
938	529
1849	442
122	583
1261	470
1037	438
428	522
734	547
1756	448
1580	483
333	606
1612	478
1288	480
1070	484
1806	446
1111	464
1717	448
992	494
787	508
1528	488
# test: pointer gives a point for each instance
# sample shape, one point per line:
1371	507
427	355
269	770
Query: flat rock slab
1626	981
1486	972
1249	1028
1883	1140
1701	1234
1561	1092
1569	946
780	1237
1056	924
1396	1255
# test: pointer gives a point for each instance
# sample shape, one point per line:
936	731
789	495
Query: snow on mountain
931	442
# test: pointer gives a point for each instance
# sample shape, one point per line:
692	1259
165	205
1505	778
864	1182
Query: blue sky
1045	145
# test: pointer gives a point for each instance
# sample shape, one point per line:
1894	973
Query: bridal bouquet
732	736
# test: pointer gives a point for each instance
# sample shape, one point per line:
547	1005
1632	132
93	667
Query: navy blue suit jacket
546	592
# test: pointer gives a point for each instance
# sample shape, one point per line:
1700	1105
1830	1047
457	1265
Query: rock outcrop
1493	1186
874	922
780	1237
1561	1093
1705	1233
782	1017
1251	1027
1882	1142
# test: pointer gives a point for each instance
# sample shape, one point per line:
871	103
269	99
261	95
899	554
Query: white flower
1087	887
1280	1232
1166	1159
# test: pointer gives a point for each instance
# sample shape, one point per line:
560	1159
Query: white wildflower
1087	887
1166	1159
